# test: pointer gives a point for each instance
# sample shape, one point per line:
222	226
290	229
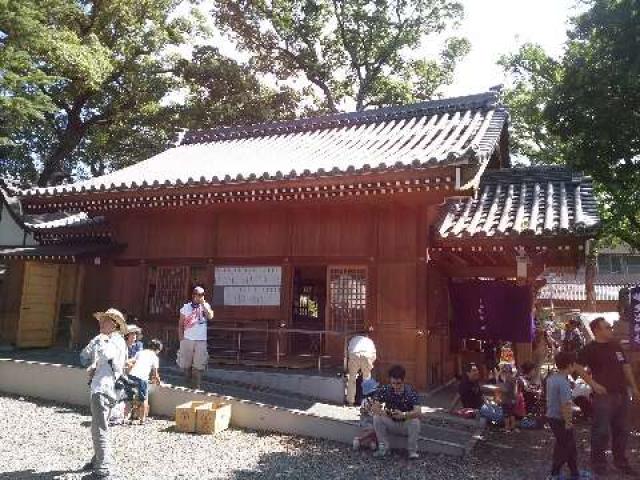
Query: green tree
79	74
221	91
358	50
584	109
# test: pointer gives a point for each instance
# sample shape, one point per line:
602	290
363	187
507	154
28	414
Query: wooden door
38	308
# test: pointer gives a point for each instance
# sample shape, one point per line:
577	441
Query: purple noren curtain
491	310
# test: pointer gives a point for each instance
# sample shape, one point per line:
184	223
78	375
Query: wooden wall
388	238
10	296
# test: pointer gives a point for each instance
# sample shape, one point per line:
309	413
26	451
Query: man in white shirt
193	356
106	354
361	355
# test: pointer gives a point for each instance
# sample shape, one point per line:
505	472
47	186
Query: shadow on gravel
31	474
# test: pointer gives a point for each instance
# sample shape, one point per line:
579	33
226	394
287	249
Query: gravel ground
43	440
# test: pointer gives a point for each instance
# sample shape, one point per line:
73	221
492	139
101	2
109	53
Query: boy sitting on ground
560	416
146	364
367	437
469	390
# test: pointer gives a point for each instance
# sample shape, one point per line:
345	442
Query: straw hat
116	316
133	328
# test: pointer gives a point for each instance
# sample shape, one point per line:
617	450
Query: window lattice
347	298
167	289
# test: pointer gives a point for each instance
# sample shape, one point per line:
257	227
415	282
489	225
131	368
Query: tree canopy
357	50
584	108
86	86
85	79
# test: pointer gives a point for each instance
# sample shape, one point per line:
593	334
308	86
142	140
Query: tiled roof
571	287
441	132
578	292
41	222
59	252
50	221
523	201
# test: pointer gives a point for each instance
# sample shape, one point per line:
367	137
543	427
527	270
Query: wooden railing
278	337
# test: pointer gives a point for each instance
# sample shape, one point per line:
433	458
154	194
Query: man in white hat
361	355
106	354
193	356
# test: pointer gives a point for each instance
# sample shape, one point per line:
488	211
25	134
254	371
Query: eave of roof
430	134
59	252
523	202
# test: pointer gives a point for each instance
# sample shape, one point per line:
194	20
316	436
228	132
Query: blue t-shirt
558	393
135	348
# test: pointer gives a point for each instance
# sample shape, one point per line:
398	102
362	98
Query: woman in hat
107	354
134	345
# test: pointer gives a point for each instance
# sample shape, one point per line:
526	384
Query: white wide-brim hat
116	316
133	328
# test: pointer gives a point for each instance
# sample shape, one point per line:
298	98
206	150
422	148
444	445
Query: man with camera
193	356
396	411
106	355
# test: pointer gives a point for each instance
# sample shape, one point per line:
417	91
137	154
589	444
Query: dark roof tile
523	201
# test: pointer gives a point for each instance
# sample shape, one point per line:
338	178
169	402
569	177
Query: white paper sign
248	286
245	296
248	276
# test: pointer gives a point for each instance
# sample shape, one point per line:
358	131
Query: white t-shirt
145	361
195	321
362	345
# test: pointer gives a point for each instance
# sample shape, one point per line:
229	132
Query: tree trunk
68	142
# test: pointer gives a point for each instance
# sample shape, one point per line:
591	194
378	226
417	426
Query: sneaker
381	452
414	456
87	467
356	444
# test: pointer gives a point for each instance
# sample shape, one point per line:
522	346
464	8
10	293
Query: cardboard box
212	418
186	416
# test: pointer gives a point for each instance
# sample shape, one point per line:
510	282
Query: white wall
11	234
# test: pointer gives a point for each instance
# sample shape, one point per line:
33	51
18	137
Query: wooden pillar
590	275
74	339
422	358
523	352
